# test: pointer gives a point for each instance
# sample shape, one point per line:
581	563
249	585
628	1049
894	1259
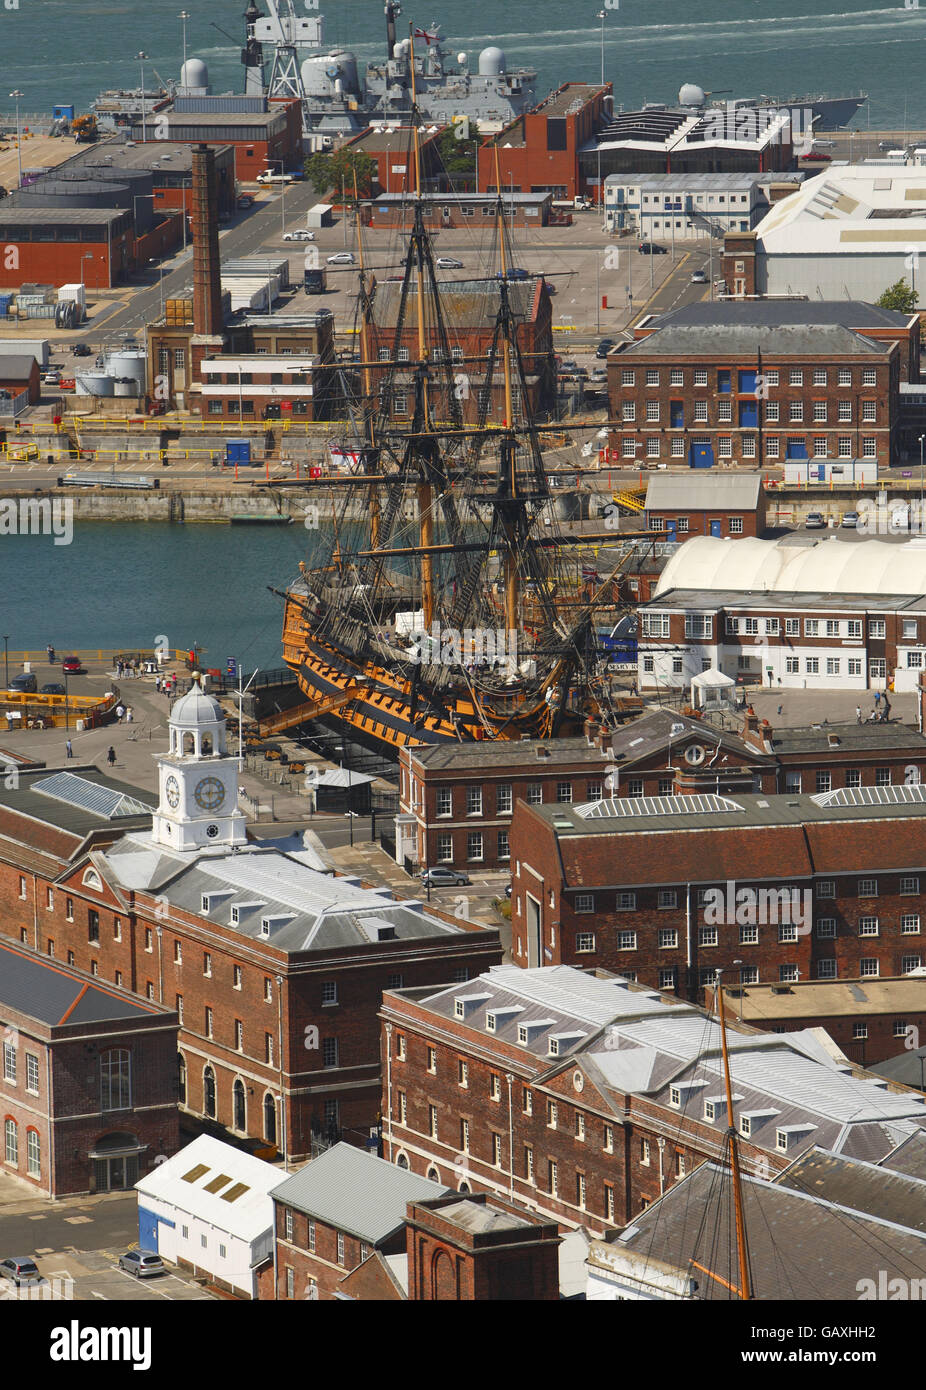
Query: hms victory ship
455	611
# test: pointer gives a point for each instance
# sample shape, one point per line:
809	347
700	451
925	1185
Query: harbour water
124	585
57	51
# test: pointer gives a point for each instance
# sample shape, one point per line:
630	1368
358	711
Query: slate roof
355	1192
307	910
770	313
867	1187
800	1247
465	303
711	341
650	734
527	753
16	366
56	995
909	1156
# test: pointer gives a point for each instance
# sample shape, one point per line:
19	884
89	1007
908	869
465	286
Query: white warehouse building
208	1208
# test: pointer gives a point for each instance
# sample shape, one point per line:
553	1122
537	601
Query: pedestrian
887	707
69	749
111	756
858	714
877	698
157	685
120	711
128	715
51	654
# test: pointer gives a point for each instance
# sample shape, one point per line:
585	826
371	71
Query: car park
449	263
442	876
299	234
341	258
21	1269
142	1263
814	521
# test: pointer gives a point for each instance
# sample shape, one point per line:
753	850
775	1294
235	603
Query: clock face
212	831
209	793
172	791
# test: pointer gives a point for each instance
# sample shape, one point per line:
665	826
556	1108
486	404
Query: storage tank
75	193
94	384
128	363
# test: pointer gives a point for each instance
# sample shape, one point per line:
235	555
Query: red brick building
869	1020
666	892
66	245
18	374
709	504
390	147
539	152
584	1098
470	310
88	1088
665	754
275	969
456	803
762	382
263	136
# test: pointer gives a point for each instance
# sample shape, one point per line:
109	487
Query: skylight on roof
912	794
235	1192
657	806
90	796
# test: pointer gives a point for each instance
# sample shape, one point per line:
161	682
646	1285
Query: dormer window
92	879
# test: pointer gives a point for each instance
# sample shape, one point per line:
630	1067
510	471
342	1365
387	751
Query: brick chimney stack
207	279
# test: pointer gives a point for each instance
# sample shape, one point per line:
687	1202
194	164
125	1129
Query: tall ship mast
454	610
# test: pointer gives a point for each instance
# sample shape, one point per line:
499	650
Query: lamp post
144	130
6	659
87	256
922	437
183	17
19	139
66	723
601	16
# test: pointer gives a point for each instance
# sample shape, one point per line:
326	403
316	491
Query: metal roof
356	1192
55	994
732	491
240	1205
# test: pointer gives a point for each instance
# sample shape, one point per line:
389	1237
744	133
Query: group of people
879	715
166	685
131	667
124	713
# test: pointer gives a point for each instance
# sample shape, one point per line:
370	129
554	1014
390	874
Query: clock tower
198	779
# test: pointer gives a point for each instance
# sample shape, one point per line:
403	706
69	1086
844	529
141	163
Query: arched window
116	1079
240	1113
181	1078
188	745
465	1187
33	1153
11	1142
206	745
401	1161
270	1119
433	1175
209	1093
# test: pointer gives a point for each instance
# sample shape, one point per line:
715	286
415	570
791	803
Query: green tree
336	171
899	296
457	156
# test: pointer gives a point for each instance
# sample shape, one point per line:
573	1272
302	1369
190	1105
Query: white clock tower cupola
198	779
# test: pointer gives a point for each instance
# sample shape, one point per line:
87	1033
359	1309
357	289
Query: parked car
649	248
698	277
245	200
53	689
81	350
299	234
142	1263
442	877
814	521
21	1269
849	519
449	263
26	682
341	258
73	665
604	347
52	378
515	273
268	176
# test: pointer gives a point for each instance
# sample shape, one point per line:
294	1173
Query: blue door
147	1230
677	415
701	456
670	530
715	526
797	449
748	414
